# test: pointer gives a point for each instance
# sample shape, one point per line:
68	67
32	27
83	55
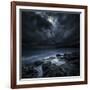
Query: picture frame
56	34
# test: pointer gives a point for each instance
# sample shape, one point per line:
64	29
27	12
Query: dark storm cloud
49	29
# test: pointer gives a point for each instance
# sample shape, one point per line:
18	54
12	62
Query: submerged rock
66	64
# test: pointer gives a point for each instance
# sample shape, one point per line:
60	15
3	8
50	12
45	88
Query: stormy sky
49	29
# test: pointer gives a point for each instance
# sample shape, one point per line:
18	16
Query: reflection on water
51	63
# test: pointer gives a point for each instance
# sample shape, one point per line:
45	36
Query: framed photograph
48	44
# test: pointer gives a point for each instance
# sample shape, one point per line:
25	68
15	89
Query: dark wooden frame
13	44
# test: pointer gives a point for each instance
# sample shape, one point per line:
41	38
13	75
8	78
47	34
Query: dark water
45	63
39	54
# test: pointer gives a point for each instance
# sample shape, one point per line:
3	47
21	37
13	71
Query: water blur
51	63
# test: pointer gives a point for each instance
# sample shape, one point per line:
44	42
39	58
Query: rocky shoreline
66	64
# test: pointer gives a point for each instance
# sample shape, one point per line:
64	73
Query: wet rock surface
58	66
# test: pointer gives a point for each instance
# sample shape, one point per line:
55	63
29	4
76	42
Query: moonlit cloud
49	29
51	19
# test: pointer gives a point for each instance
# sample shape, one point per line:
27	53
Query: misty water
45	63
